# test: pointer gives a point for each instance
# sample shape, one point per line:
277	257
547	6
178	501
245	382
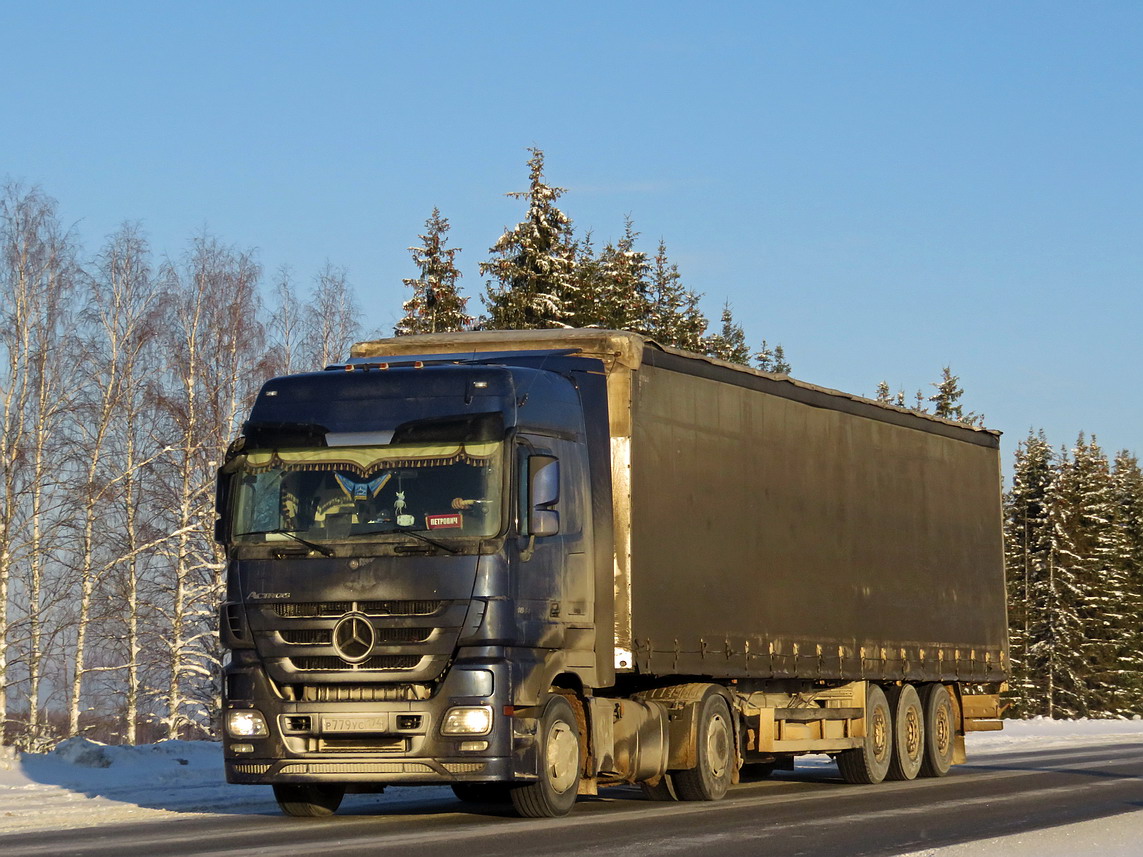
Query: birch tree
217	362
120	326
38	278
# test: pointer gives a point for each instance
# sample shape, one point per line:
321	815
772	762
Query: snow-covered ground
83	784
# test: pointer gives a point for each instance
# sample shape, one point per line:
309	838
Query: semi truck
533	564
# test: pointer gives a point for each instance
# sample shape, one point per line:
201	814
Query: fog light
246	724
467	720
241	748
472	746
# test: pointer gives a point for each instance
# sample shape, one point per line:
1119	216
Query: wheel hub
562	757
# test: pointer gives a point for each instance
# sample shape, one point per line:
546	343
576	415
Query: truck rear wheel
940	730
710	777
560	747
869	763
309	800
908	733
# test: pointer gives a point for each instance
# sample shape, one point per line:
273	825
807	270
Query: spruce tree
1027	559
622	302
730	342
532	264
673	314
1127	494
589	286
1065	640
946	400
1091	541
436	305
773	359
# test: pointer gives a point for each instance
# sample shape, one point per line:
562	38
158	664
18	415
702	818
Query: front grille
377	662
315	609
307	637
319	637
363	692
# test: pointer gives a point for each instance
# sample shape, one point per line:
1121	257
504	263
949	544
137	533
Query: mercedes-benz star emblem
353	638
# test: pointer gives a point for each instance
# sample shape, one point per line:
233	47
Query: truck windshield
335	493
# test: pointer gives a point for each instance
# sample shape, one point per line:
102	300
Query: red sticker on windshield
453	521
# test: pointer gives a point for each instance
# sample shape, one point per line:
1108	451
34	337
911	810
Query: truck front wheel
559	746
869	763
309	800
710	777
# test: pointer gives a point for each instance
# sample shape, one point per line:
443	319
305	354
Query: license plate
356	723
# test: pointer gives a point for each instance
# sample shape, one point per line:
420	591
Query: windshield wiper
414	533
322	549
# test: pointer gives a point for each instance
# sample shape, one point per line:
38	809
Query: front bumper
382	742
369	769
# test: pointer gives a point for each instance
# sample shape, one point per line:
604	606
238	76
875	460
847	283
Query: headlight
467	720
246	724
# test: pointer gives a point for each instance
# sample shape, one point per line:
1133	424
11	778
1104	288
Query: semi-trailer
530	564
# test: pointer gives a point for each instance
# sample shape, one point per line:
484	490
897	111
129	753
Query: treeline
541	275
1074	556
123	379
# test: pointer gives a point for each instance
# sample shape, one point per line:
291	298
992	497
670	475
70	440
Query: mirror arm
526	553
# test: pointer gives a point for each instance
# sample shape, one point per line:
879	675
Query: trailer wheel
309	800
940	730
908	733
560	748
482	792
869	763
710	777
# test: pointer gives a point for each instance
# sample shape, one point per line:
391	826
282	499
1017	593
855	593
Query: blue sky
884	188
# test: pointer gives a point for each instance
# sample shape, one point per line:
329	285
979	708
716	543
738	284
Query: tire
664	790
309	800
487	793
869	763
715	756
940	730
908	733
560	748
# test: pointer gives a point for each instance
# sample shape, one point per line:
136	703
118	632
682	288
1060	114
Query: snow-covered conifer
436	305
673	314
622	301
730	342
532	264
773	359
1127	492
1027	558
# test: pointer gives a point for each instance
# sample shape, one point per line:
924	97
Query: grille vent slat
322	637
315	609
363	692
377	662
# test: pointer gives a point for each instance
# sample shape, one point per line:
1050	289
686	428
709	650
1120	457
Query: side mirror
543	494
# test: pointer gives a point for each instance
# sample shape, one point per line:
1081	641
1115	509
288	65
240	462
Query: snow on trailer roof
628	350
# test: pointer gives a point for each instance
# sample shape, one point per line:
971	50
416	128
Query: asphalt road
801	813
